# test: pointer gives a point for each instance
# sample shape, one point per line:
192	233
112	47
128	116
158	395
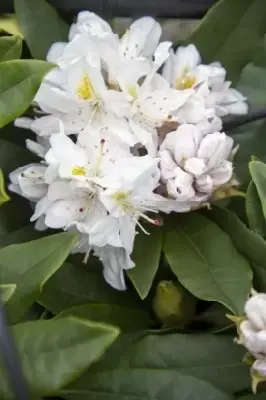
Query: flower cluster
126	128
252	332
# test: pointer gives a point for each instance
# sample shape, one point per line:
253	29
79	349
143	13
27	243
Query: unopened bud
255	310
173	305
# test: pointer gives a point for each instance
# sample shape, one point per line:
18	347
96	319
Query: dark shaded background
127	8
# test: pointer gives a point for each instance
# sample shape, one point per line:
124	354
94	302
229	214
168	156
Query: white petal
35	148
255	310
215	148
183	143
195	166
40	208
23	122
260	367
55	51
222	174
65	212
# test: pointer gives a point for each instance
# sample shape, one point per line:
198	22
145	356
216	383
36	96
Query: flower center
122	198
78	170
84	89
185	81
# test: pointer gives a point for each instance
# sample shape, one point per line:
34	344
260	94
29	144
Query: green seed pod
173	305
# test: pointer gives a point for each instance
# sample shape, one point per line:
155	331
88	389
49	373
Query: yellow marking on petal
120	196
185	81
78	171
84	90
133	91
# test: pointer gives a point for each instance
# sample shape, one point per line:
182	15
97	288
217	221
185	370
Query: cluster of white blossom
252	331
125	127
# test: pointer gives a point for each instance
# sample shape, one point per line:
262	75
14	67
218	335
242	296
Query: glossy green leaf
254	211
13	216
10	48
251	137
4	197
13	156
54	353
259	396
258	173
41	25
227	24
164	366
206	262
127	319
146	255
6	292
251	245
21	235
18	88
143	384
74	285
29	266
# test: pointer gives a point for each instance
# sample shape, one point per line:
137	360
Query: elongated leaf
134	384
41	26
206	262
10	48
158	357
4	197
127	319
258	173
6	292
226	24
13	215
21	81
259	396
29	266
54	353
74	285
13	156
8	23
251	137
251	245
146	255
254	211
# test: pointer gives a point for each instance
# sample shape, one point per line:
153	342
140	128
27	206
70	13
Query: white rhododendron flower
252	335
193	166
125	128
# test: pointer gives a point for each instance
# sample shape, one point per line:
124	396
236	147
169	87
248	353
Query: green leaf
137	384
17	90
10	48
6	292
74	285
258	173
4	197
206	262
29	266
169	366
248	243
14	215
254	211
41	25
127	319
54	353
251	137
13	156
259	396
9	25
146	255
227	23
